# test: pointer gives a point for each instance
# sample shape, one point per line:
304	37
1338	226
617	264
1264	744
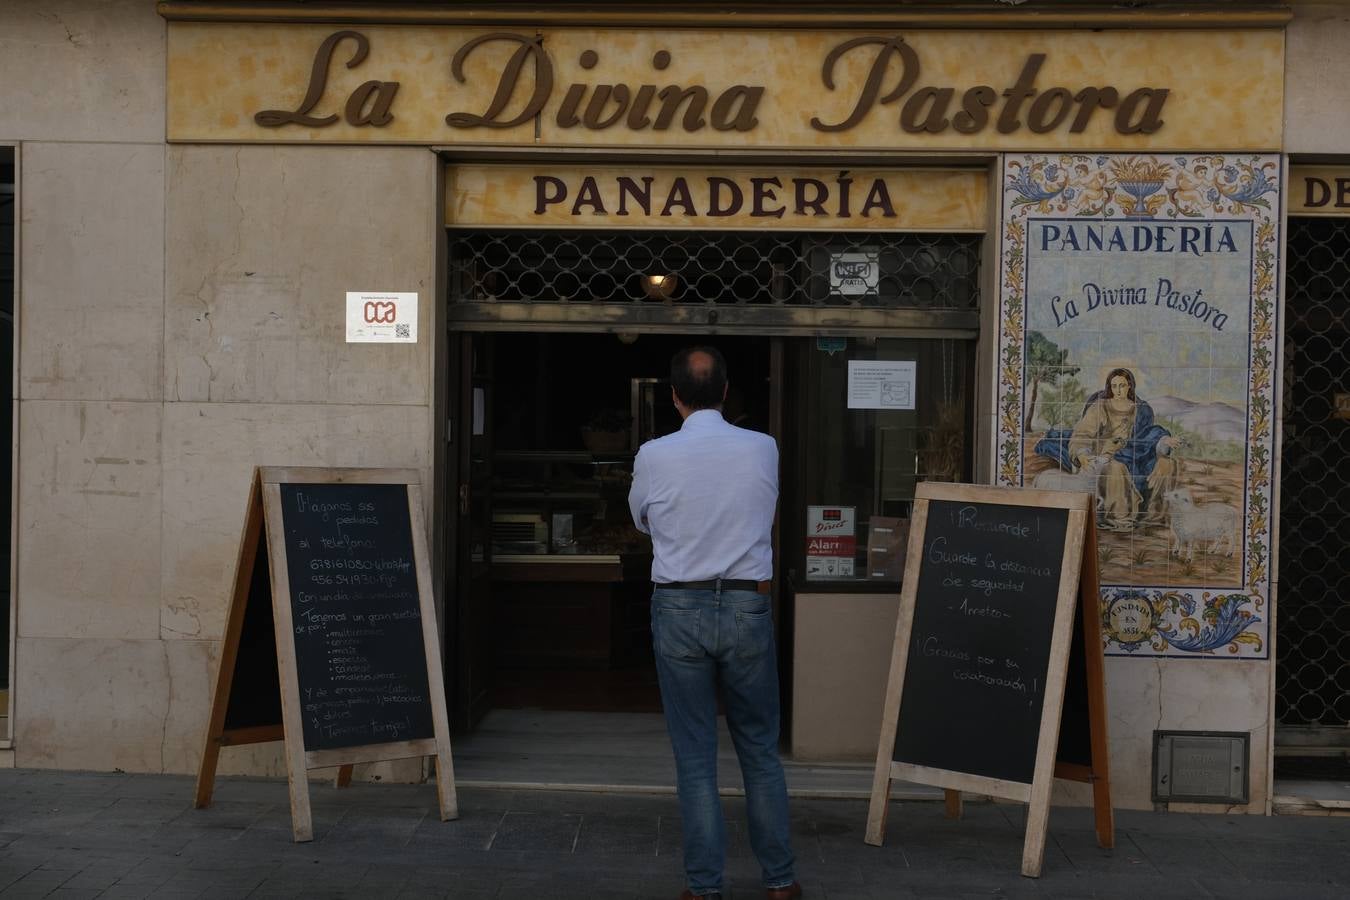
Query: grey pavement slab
130	836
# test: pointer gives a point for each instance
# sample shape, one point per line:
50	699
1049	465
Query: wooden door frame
456	508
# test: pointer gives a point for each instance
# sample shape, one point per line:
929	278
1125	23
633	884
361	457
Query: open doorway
559	345
558	579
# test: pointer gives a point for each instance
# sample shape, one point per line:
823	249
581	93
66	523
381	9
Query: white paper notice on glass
881	384
381	318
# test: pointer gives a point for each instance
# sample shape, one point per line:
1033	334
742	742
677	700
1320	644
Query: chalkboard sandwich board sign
331	642
997	683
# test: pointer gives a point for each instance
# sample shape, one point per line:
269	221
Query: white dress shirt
706	494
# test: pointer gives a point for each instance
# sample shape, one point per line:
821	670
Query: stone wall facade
177	328
170	340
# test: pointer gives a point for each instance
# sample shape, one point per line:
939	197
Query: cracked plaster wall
1317	69
82	70
1156	693
181	320
84	86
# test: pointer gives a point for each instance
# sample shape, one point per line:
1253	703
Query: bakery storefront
839	296
900	300
949	248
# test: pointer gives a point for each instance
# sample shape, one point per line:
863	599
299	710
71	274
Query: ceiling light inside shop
659	287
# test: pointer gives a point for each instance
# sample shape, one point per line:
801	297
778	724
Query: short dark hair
703	389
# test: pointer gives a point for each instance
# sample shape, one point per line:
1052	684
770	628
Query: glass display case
571	575
563	503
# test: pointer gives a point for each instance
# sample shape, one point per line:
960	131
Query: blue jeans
708	641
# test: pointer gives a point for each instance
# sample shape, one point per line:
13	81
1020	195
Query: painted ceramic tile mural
1137	353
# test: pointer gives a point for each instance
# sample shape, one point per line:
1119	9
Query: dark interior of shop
557	613
571	575
552	579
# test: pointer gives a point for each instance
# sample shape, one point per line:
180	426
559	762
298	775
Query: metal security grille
1313	652
747	269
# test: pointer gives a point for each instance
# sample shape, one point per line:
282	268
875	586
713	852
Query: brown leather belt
724	584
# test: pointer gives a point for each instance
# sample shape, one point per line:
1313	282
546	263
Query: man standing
706	494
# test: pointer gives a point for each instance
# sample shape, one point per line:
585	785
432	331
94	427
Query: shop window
8	216
902	271
878	416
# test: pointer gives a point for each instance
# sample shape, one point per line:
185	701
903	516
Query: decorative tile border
1157	275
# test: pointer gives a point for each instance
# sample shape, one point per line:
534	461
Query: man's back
707	495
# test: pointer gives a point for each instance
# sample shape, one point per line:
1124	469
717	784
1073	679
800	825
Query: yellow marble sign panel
784	197
694	88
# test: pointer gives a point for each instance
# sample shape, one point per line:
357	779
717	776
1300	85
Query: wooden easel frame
264	517
1078	594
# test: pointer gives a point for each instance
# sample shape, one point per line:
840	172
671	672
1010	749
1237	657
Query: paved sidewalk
99	835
